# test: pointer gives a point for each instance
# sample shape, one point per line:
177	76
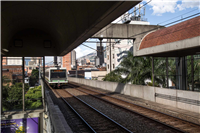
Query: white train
56	77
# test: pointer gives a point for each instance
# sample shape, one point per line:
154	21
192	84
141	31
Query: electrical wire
178	16
128	15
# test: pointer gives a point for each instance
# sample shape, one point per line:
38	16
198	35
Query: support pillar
1	85
101	51
39	73
167	72
192	71
110	56
153	71
184	73
23	85
181	67
43	86
76	69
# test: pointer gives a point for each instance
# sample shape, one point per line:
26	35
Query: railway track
164	119
94	119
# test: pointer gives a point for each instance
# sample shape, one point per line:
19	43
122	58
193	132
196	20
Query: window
113	66
58	73
108	66
113	56
113	46
107	57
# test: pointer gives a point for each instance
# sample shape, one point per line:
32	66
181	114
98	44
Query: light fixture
5	50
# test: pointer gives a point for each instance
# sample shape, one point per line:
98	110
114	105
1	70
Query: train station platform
190	116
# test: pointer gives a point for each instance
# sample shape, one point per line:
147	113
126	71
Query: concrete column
153	70
192	70
181	67
178	72
23	85
1	84
184	73
39	73
110	57
167	72
43	85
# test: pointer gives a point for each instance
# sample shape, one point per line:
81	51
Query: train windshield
58	73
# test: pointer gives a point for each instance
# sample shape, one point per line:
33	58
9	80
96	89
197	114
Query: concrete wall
56	121
177	98
98	73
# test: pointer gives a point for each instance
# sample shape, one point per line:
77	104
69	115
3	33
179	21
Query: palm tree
139	69
136	69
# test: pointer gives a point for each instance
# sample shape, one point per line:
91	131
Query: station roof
178	38
54	28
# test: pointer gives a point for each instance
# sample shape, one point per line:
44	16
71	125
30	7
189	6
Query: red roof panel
177	32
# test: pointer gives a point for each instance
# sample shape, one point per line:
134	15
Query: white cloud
80	52
162	6
188	4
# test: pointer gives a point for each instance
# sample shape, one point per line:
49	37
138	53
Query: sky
157	12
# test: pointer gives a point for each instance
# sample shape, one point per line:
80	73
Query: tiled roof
177	32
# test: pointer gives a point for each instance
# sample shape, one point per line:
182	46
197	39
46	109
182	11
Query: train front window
58	73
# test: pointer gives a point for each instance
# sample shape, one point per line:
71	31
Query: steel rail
99	112
132	111
141	106
73	109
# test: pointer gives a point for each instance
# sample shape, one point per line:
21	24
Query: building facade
69	60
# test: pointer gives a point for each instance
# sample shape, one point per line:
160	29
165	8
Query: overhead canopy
36	28
178	40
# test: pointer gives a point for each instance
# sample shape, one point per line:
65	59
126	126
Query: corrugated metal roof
177	32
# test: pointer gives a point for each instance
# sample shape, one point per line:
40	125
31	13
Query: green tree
136	69
12	96
33	98
34	77
113	77
5	80
35	73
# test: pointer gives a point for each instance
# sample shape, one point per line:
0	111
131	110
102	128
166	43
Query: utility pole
101	51
1	83
39	73
153	71
55	60
110	55
23	91
76	70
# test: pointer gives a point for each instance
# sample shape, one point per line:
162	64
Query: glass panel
33	95
160	72
12	83
172	73
189	73
58	73
196	72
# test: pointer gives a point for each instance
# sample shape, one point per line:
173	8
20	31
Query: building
73	58
4	61
117	49
100	55
13	73
83	62
69	60
14	60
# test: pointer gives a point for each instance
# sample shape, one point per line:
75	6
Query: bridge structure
39	29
